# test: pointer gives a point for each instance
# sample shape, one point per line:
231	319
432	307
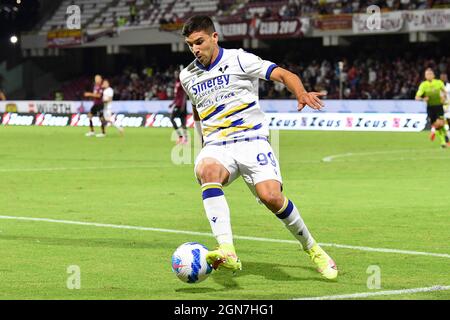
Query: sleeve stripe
239	61
269	71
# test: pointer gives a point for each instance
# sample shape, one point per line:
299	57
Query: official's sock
185	135
218	212
441	135
438	135
444	133
179	132
290	216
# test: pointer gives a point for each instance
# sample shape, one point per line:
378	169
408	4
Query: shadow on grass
269	271
276	272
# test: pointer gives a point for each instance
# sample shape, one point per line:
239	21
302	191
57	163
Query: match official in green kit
432	91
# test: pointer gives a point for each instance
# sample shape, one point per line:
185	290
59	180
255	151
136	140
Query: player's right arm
267	70
197	123
92	95
420	93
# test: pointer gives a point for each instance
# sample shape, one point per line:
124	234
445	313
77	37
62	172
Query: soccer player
430	91
223	87
107	117
179	110
97	108
446	99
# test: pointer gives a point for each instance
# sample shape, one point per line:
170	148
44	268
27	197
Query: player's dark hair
198	23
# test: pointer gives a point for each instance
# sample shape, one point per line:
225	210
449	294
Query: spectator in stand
59	96
133	11
267	13
121	21
2	94
147	72
162	94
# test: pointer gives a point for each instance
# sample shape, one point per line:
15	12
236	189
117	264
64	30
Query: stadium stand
369	78
145	13
151	13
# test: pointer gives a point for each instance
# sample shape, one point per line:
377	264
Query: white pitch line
77	168
350	154
378	293
115	226
386	250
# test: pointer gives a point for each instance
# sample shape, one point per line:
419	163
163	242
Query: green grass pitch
380	190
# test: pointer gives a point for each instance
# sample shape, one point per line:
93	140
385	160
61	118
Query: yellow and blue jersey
225	94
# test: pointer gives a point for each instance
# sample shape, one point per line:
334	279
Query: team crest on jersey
223	69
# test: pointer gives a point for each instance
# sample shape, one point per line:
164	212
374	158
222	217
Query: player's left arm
295	85
443	93
444	96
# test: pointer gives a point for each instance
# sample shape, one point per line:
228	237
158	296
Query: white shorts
446	111
107	113
254	160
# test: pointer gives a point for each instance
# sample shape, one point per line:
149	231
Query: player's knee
273	200
210	173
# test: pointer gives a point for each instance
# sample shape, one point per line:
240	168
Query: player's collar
212	65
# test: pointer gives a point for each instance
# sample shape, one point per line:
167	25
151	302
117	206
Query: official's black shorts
97	110
435	112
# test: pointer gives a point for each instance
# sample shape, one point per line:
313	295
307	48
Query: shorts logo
214	219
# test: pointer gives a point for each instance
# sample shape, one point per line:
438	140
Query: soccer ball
189	262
